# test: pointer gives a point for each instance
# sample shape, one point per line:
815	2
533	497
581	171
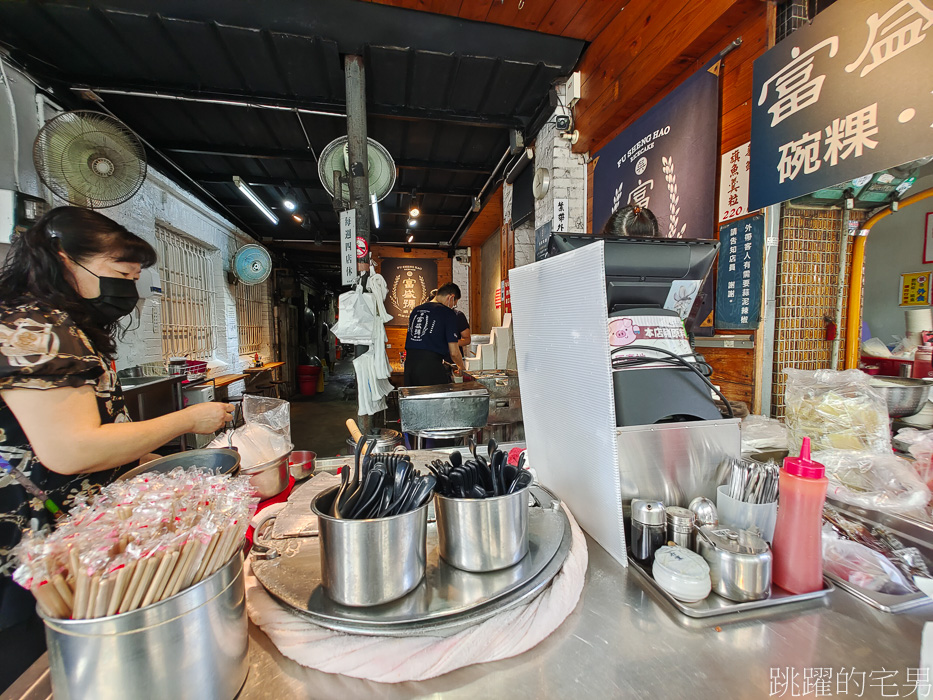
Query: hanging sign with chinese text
409	282
663	162
849	94
739	279
561	216
915	289
348	247
733	183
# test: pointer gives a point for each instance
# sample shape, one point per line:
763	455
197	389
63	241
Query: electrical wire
14	126
673	360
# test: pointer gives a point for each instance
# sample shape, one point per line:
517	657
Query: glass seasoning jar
649	531
680	522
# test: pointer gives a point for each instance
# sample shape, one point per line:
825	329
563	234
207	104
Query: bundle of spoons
479	477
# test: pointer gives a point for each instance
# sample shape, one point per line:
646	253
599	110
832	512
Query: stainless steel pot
213	460
739	562
386	440
370	562
192	645
482	534
269	478
301	464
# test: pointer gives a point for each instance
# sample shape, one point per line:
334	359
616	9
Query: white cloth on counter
401	659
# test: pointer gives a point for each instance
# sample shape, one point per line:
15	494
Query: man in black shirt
432	340
463	325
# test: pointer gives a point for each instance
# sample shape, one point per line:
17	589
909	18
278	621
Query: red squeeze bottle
798	545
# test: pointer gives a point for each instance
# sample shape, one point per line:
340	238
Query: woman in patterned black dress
65	284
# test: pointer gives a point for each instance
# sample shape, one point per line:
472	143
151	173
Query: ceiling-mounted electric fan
252	264
89	159
336	158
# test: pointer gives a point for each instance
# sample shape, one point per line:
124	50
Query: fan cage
334	150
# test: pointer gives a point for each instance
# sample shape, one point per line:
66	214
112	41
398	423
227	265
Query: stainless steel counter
621	641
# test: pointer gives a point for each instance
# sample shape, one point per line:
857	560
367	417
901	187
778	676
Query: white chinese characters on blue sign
848	95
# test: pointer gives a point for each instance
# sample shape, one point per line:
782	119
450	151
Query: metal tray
715	605
912	533
447	600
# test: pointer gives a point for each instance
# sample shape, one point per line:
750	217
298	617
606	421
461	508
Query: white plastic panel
562	346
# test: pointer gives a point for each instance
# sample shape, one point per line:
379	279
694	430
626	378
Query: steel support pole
355	77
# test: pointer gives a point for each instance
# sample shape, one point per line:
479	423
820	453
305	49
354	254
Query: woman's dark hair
35	273
632	221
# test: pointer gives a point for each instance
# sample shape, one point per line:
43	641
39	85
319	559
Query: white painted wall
158	200
895	246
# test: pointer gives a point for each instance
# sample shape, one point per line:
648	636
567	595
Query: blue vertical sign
738	284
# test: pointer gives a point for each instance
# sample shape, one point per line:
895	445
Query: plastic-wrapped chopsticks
135	543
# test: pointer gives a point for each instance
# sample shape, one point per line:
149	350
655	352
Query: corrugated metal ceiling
442	93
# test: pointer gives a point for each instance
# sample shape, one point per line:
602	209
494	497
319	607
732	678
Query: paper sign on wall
915	289
561	216
733	183
348	247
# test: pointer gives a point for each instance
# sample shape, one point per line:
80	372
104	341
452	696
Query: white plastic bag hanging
356	317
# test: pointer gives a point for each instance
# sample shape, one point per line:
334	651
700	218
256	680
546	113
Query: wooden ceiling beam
647	41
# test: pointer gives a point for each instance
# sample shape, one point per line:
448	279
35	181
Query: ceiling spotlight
412	223
414	210
298	218
290	204
411	237
247	192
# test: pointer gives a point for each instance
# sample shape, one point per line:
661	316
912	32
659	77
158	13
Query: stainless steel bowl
192	646
214	460
905	397
370	562
482	534
269	478
302	463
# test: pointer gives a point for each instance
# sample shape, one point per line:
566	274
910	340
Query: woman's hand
208	418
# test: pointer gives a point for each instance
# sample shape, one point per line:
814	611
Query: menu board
410	282
739	280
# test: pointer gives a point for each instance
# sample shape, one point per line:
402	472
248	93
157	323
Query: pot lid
735	541
648	512
443	391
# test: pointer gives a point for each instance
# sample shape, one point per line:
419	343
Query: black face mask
118	297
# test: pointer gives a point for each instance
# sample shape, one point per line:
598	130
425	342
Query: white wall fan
89	159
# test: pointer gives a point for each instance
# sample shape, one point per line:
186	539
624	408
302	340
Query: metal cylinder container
192	645
680	522
370	562
482	534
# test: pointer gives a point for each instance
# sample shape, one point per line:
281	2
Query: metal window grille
807	284
188	297
251	301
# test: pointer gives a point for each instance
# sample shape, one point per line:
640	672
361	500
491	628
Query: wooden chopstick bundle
136	543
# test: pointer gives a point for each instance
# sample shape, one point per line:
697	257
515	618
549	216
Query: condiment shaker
680	522
649	530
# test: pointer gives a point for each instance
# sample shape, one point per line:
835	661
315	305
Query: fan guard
89	159
335	156
252	264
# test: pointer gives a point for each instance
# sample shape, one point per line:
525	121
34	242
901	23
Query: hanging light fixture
414	208
289	204
247	192
372	198
411	237
412	223
298	218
